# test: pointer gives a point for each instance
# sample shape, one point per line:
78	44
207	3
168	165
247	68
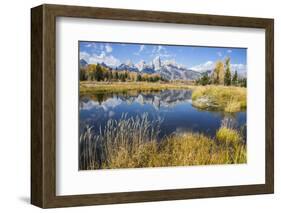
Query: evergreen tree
139	78
110	75
98	75
82	74
242	82
115	75
235	78
123	77
204	80
105	74
227	75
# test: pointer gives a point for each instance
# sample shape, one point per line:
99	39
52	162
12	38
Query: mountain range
169	70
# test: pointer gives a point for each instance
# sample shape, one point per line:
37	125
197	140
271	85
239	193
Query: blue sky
189	56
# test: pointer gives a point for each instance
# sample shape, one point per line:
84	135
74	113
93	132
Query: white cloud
219	54
156	51
208	65
140	50
229	51
160	48
108	48
101	58
240	68
88	45
85	56
160	51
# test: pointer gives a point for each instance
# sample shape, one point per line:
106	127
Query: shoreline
210	97
99	87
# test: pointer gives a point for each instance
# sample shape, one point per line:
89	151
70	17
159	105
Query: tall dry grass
111	146
133	143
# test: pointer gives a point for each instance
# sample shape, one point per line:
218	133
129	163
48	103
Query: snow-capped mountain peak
168	69
157	63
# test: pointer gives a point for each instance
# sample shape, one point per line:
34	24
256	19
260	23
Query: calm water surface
173	107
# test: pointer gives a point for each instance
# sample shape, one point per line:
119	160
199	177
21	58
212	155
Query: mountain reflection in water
173	107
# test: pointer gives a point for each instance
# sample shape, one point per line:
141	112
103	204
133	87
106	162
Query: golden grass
100	87
132	143
232	139
228	99
179	150
228	136
197	149
233	106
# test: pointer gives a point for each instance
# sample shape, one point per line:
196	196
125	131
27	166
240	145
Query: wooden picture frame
43	105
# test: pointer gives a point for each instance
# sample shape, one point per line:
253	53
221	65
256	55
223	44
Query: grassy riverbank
228	99
109	87
132	143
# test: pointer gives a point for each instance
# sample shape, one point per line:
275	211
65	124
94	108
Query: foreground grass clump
228	136
132	143
228	99
231	139
108	87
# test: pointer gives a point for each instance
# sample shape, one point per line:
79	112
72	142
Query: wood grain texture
43	105
269	106
36	106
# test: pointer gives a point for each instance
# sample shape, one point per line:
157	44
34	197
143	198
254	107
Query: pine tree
116	75
204	80
82	74
110	76
98	75
235	78
242	82
139	78
227	75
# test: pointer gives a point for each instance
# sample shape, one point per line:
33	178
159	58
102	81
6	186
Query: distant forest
97	72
